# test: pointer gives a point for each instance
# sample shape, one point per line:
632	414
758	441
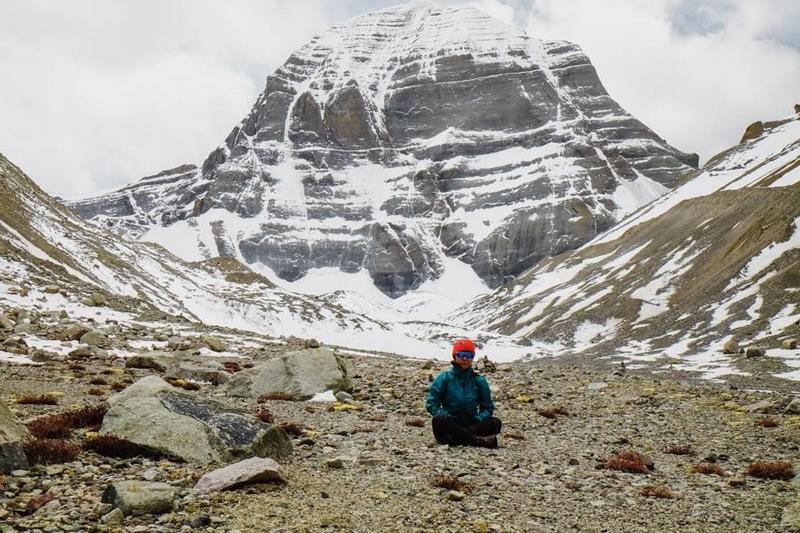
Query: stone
6	323
152	474
176	423
592	387
98	299
455	496
51	289
731	346
199	370
12	434
248	471
335	463
789	344
158	361
764	406
754	352
311	343
140	497
793	408
753	131
302	374
73	332
214	343
199	521
94	338
112	518
343	396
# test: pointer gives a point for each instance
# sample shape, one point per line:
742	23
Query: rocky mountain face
402	139
716	259
51	259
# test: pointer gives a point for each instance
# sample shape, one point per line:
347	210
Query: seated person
461	403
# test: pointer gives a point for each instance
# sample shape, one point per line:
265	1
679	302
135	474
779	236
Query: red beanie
463	345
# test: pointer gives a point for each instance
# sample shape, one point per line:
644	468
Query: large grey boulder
12	435
253	470
140	497
165	419
199	370
301	374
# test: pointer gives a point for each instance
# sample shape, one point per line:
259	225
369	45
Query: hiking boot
486	442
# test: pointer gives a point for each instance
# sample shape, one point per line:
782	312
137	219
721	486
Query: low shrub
709	469
117	386
553	411
679	449
277	395
232	366
60	425
40	399
771	470
97	381
96	391
449	482
50	451
651	491
292	428
631	462
264	414
768	422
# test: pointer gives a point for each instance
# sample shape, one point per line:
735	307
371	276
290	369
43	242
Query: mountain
402	142
717	257
43	243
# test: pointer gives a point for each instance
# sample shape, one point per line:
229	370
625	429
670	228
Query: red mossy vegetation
109	446
264	414
661	491
60	425
709	469
232	366
278	395
771	470
679	449
631	462
38	399
50	451
449	482
768	422
292	428
553	411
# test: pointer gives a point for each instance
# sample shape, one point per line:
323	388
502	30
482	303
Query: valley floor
551	474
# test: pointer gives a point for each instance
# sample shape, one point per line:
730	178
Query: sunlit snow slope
718	257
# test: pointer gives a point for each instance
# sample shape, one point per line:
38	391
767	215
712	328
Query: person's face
464	362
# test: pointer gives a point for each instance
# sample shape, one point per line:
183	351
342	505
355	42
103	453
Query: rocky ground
370	463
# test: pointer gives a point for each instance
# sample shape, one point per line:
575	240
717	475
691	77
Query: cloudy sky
97	93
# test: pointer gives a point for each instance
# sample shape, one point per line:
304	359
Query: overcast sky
98	93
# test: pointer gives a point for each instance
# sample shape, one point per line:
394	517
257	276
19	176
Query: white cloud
98	93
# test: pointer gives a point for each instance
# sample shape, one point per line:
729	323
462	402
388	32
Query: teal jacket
460	392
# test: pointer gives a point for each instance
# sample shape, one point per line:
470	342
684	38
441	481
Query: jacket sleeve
436	396
485	403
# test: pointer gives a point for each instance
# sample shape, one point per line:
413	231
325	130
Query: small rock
94	338
731	346
596	386
335	463
791	518
112	518
98	299
343	396
140	497
214	343
6	323
793	408
253	470
789	344
202	520
311	343
455	496
754	352
51	289
152	474
764	406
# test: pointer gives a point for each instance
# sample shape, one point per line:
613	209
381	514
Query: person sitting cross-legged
461	403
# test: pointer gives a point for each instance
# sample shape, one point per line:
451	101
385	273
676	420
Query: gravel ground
371	468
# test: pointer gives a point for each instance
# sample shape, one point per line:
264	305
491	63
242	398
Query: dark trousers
457	431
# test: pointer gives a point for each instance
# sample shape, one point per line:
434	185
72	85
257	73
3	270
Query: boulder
140	497
764	406
793	408
158	361
302	374
51	289
12	435
73	332
199	370
6	323
730	347
789	344
214	343
791	517
253	470
98	299
176	423
94	338
754	352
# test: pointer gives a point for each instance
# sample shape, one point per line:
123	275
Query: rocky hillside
715	259
53	260
401	141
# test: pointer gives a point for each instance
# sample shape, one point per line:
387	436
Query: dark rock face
409	136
